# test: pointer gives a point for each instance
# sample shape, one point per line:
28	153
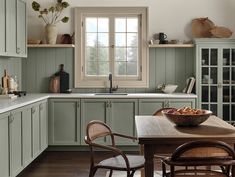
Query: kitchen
33	66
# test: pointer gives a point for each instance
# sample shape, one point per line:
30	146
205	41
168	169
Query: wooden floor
62	164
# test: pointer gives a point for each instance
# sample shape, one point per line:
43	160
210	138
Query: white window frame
102	82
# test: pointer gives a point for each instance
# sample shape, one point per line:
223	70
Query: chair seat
136	161
197	173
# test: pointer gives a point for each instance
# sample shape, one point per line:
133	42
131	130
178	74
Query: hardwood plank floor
62	164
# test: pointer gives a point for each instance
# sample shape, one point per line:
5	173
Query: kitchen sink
110	94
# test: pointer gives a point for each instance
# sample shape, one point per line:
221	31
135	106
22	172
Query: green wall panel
166	65
13	67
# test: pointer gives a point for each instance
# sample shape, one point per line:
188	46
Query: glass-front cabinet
215	71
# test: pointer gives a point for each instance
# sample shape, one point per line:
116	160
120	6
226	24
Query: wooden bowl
187	120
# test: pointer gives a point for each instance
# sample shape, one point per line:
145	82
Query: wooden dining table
158	135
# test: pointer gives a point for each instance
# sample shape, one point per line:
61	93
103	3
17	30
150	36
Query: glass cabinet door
209	79
228	85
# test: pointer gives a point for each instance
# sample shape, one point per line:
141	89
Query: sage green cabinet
215	61
150	106
3	27
64	122
4	145
93	109
13	28
112	111
15	129
26	136
35	131
43	126
122	118
21	28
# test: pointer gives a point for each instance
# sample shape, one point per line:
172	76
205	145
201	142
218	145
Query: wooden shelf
51	46
171	45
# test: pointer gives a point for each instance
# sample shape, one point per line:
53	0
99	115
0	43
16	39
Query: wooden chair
200	154
159	111
119	161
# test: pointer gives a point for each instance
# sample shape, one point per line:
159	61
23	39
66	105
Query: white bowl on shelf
169	88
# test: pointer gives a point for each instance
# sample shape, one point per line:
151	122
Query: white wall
170	16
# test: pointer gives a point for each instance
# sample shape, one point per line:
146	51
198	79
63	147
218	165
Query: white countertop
10	104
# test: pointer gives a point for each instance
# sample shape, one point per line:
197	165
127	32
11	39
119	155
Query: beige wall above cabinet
13	28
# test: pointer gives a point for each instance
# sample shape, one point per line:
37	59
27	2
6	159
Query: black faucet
111	89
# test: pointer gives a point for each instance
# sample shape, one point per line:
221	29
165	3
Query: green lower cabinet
117	113
122	119
35	131
179	103
26	136
150	106
64	122
4	145
15	129
93	109
43	126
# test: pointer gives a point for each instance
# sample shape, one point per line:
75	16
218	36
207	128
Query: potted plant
51	16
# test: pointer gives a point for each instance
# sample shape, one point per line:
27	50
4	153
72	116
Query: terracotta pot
51	33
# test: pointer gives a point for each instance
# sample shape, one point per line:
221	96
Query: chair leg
92	172
132	173
110	173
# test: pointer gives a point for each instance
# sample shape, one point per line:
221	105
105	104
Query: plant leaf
51	9
65	19
35	6
65	4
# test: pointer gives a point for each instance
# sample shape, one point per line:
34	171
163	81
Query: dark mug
162	36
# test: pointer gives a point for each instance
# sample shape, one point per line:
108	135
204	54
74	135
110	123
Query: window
111	40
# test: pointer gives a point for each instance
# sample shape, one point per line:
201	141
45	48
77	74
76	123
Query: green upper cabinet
21	25
3	27
64	122
4	145
16	27
216	76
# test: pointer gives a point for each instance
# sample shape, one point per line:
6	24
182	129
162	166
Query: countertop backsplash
166	65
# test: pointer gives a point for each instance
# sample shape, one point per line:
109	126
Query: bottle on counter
5	81
11	84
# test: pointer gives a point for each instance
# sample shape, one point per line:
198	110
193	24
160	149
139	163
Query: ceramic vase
51	33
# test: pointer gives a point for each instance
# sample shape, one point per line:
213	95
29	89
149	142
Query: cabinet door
122	118
92	109
209	79
179	103
15	143
227	88
27	135
64	125
43	126
149	106
21	25
4	145
35	130
11	27
3	27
